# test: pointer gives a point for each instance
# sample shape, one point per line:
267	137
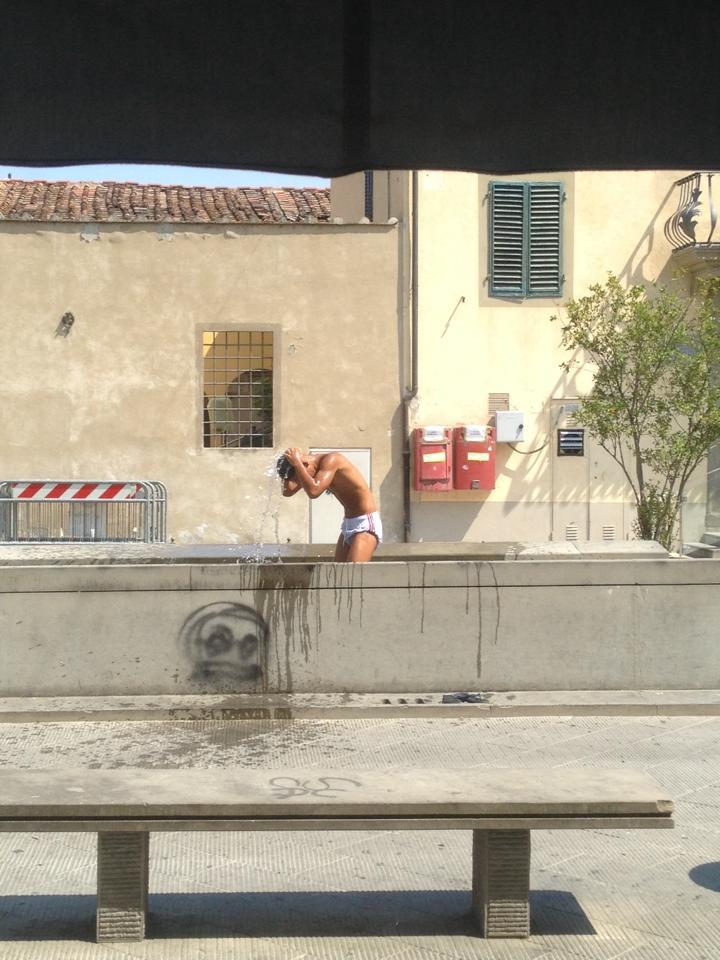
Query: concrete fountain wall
129	629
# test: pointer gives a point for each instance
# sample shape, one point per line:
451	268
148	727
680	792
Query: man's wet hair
285	470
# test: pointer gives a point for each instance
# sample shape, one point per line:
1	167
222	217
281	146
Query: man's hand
313	480
294	455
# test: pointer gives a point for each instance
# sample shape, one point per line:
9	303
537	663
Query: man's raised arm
316	482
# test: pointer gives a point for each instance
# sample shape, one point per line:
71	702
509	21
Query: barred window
237	388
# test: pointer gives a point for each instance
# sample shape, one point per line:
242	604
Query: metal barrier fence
89	511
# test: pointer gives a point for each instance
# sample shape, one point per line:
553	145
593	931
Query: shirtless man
315	473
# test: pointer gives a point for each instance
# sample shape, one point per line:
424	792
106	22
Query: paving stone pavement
596	895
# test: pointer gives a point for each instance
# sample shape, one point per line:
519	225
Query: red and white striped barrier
37	490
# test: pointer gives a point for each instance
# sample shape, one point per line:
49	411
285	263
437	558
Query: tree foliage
655	401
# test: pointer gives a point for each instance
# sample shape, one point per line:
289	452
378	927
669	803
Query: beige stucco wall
121	396
471	344
347	197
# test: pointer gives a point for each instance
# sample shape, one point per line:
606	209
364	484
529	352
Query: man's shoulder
333	458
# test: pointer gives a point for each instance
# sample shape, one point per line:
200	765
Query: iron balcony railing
693	223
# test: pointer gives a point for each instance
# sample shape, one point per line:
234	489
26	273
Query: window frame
240	328
524	290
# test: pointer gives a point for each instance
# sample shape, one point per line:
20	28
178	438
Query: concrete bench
501	807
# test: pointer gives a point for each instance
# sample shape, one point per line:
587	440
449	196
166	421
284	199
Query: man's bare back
317	472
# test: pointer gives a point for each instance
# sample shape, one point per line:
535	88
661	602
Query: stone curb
434	705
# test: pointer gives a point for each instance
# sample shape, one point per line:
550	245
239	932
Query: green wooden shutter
507	239
544	256
525	238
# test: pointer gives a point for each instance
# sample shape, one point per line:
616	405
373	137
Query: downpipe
412	390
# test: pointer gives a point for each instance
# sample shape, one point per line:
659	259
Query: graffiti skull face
225	641
219	642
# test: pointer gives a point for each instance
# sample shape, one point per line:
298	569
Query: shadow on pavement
706	875
558	913
393	913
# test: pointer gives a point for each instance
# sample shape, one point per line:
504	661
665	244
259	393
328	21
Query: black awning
326	87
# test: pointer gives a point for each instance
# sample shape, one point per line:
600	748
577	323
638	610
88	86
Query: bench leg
122	885
501	882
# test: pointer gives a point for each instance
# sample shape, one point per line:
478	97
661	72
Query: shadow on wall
445	522
482	521
390	496
633	271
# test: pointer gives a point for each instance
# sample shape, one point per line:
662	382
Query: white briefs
367	523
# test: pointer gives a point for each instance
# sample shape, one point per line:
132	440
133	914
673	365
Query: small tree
655	401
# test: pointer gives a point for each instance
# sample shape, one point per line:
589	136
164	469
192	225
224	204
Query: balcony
691	229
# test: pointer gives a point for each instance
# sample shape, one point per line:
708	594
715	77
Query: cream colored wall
121	396
471	344
620	218
390	196
347	197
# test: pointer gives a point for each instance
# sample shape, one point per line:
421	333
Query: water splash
270	511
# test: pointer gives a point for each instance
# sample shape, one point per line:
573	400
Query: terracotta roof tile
110	202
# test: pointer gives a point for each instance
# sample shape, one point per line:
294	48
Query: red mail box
474	457
433	458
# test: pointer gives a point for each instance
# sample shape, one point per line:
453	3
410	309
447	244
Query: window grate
571	443
237	388
608	531
571	532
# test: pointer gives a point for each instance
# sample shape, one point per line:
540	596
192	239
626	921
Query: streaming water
269	512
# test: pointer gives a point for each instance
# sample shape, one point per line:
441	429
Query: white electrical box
509	426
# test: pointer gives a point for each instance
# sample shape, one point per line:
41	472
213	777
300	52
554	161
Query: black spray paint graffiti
285	787
225	641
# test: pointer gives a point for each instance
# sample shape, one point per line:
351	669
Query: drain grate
403	701
465	698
